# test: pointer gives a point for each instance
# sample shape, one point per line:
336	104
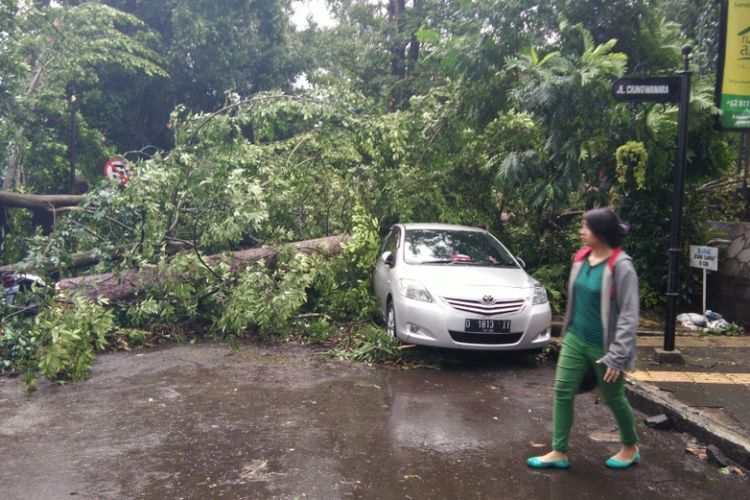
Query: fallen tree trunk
43	206
48	202
85	259
78	259
125	284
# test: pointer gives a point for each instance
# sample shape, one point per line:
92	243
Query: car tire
390	320
31	307
530	353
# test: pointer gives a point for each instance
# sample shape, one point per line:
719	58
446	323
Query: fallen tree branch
125	284
569	213
720	183
93	211
78	259
38	201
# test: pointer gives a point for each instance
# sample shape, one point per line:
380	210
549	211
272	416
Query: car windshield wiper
488	263
499	264
440	261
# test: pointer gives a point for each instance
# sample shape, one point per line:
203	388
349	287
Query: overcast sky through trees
310	8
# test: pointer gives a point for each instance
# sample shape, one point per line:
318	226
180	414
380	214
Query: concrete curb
699	423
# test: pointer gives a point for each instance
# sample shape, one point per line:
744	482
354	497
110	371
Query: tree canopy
240	129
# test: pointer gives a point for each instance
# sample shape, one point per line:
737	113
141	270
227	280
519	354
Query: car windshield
451	246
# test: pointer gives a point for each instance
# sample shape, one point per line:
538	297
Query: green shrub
18	348
128	338
69	336
728	329
343	288
649	297
59	345
182	294
267	300
370	344
317	331
19	228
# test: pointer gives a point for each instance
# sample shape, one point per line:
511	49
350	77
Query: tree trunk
72	138
14	175
395	10
38	201
13	172
44	206
125	284
79	259
414	44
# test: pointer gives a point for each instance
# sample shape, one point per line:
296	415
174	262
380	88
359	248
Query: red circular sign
117	170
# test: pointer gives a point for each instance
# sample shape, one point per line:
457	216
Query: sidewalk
708	396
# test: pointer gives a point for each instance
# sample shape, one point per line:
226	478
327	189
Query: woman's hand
611	375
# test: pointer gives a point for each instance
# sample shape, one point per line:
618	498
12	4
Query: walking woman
599	332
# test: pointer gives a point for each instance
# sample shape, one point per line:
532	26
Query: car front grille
495	308
485	338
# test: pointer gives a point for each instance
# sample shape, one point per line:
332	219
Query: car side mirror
520	261
388	259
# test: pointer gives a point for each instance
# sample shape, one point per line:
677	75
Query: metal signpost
706	258
666	89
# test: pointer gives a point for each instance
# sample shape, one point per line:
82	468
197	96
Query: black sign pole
675	247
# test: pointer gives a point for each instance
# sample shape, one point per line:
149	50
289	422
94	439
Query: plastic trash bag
692	320
711	315
719	324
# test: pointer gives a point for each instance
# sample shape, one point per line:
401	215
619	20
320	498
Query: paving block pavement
708	395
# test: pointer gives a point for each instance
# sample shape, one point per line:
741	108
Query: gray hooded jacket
619	308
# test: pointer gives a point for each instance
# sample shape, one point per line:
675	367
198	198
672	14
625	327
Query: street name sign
704	257
654	89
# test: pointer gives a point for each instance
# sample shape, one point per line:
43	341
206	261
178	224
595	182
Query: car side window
391	242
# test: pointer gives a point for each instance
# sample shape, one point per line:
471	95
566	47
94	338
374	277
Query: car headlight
413	290
540	294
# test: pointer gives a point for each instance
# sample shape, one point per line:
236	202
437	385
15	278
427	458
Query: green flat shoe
536	463
613	463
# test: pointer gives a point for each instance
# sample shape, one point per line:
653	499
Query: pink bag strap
585	251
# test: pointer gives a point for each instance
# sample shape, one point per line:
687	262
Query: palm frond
549	57
534	56
588	39
516	167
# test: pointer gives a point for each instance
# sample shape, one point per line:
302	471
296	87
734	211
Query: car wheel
31	307
530	354
390	321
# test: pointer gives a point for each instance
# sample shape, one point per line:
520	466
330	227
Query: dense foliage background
241	129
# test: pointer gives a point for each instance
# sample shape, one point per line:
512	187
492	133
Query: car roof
438	225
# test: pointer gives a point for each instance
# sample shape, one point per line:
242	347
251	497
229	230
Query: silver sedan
458	287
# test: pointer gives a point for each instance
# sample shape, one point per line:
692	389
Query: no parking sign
706	258
117	170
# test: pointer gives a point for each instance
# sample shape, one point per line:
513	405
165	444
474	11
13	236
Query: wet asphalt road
285	422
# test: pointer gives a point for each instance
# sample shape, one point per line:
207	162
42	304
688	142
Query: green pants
575	358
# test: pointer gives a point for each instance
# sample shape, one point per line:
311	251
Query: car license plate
487	325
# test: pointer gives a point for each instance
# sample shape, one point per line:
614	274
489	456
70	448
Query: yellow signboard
735	67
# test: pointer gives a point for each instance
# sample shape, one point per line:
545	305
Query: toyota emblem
488	299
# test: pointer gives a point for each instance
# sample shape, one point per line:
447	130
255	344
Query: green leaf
427	35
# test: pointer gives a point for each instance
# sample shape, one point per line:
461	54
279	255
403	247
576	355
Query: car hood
452	279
